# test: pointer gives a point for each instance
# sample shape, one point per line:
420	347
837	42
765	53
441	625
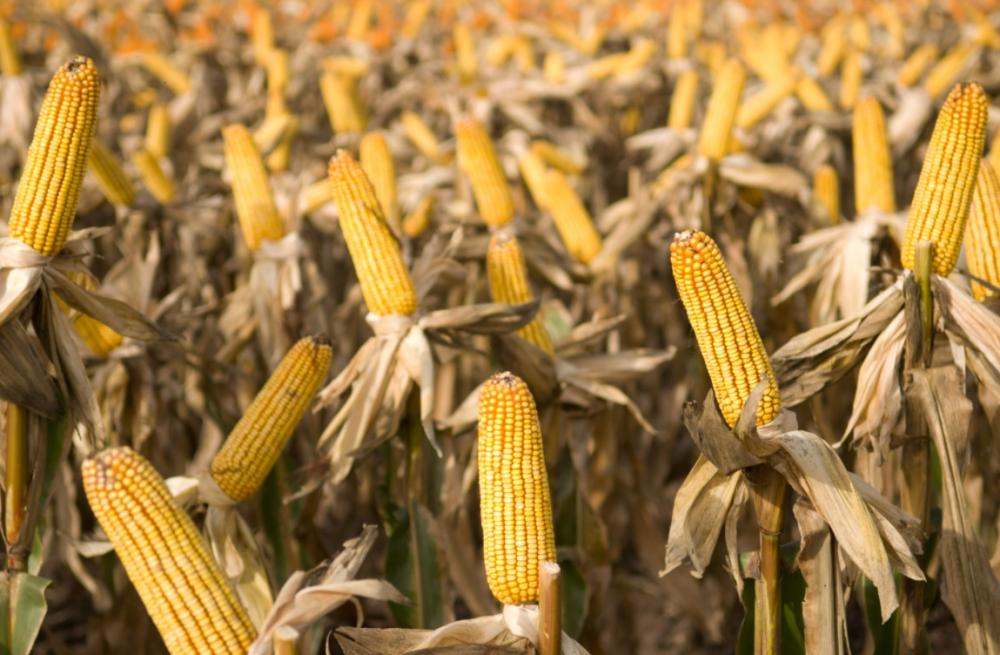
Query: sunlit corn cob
158	131
677	38
465	52
45	202
873	186
153	176
682	100
478	160
571	217
888	15
947	178
253	446
509	285
183	589
165	71
352	67
96	336
263	35
524	54
316	195
554	67
945	73
858	33
514	501
916	64
376	160
721	112
255	208
723	327
833	42
385	283
994	154
361	18
811	95
556	158
416	14
277	82
278	159
826	190
533	170
10	61
712	54
418	220
343	105
110	175
501	50
982	235
850	79
755	108
422	137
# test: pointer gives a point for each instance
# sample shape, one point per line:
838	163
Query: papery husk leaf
416	358
568	376
589	332
486	318
235	549
486	635
823	610
530	363
622	366
714	438
776	178
24	378
971	322
522	620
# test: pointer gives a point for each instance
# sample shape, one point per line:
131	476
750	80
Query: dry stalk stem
16	498
549	609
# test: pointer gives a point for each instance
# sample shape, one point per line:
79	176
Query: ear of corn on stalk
343	104
947	178
418	220
255	208
982	236
826	189
576	229
376	161
515	505
756	108
465	53
533	170
812	96
96	336
158	131
509	285
167	72
10	61
478	160
723	327
916	64
873	181
682	101
182	587
713	141
945	73
422	137
153	176
110	175
850	79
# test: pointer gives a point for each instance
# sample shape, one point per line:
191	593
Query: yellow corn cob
605	66
110	176
515	505
982	237
945	73
635	58
183	589
850	79
994	155
465	53
343	104
422	137
571	218
316	195
873	188
253	446
532	170
509	285
721	111
385	283
858	32
153	176
96	336
165	71
352	67
45	203
263	35
723	327
916	64
811	95
524	54
255	208
416	14
677	40
554	67
888	15
361	18
376	160
947	178
10	61
665	179
682	100
755	108
500	50
478	160
826	190
693	13
556	158
418	220
158	131
713	55
277	82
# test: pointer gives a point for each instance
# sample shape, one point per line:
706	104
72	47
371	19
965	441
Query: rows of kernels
683	100
508	280
982	235
873	187
478	160
255	208
573	222
110	176
376	161
713	141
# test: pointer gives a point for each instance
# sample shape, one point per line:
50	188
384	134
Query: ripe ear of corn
418	220
873	181
376	160
533	170
163	69
682	100
947	178
826	189
571	218
515	505
916	64
465	52
255	208
723	327
158	131
713	141
756	108
982	236
478	160
343	104
945	73
812	96
385	282
183	589
677	39
556	158
422	137
45	202
10	61
509	285
110	175
833	42
153	176
850	79
254	445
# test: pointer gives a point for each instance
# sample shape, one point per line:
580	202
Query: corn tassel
509	285
183	589
154	178
723	327
826	190
385	283
418	220
376	161
682	101
478	160
255	208
721	112
916	64
873	187
571	217
110	175
252	448
982	236
45	202
515	505
158	131
343	104
947	180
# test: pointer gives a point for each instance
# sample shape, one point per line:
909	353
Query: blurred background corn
508	280
720	114
158	130
422	137
850	79
916	64
418	220
478	160
533	170
167	72
982	235
682	101
96	336
255	208
873	181
573	222
945	72
812	95
343	104
10	60
757	107
826	189
154	178
376	161
110	176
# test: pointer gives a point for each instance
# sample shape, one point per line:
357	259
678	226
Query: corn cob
755	108
465	52
96	336
682	100
343	105
713	55
945	73
553	67
994	154
153	176
418	220
723	327
635	58
376	161
982	236
947	178
385	283
873	188
166	559
263	35
110	176
858	33
316	195
478	160
721	112
277	82
916	64
45	202
556	158
158	131
524	54
850	79
252	448
811	95
571	218
515	505
826	190
165	71
533	170
509	285
677	41
10	61
422	137
361	18
416	14
255	208
501	50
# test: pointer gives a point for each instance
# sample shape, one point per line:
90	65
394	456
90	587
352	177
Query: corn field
452	327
